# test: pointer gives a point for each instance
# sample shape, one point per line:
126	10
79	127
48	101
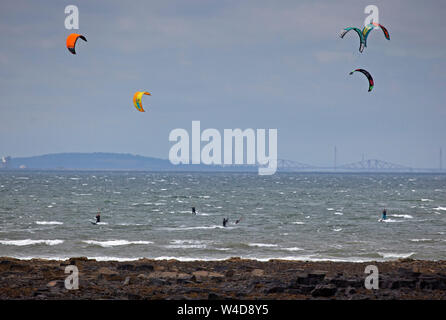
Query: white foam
407	216
114	243
29	242
425	200
196	228
297	222
292	249
48	222
262	245
440	208
339	213
389	255
186	246
420	240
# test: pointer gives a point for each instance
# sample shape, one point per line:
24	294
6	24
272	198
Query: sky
229	64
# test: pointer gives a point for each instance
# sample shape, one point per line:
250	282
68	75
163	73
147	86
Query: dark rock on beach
234	278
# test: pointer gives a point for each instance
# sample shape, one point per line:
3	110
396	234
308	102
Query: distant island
104	161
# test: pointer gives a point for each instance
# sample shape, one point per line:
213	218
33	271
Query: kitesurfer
98	216
384	217
193	210
225	221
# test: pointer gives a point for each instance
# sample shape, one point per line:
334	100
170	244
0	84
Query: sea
292	216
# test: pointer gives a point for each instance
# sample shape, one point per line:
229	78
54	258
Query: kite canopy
71	41
359	32
368	28
137	99
368	75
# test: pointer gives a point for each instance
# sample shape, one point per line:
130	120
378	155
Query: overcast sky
230	64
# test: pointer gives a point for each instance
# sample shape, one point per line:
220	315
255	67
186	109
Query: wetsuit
384	215
98	218
225	221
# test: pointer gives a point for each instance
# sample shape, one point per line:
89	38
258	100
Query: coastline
234	278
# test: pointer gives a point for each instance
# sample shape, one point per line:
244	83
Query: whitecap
440	208
339	213
113	243
292	249
29	242
48	222
407	216
298	222
262	245
389	255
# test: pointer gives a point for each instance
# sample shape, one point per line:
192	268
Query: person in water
98	216
384	217
225	221
193	210
238	221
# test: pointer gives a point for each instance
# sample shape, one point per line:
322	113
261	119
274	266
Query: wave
388	255
196	228
440	208
292	249
298	222
29	242
186	246
421	240
48	222
114	243
407	216
262	245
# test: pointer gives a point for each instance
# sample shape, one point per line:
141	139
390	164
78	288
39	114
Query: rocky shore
230	279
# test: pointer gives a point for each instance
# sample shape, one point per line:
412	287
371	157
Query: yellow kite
137	99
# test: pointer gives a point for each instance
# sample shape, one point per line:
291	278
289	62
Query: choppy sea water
286	216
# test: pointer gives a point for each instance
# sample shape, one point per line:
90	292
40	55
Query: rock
126	267
144	267
206	274
275	290
432	283
324	291
157	282
56	284
229	273
257	272
339	282
214	296
126	281
320	275
403	283
305	289
107	274
350	291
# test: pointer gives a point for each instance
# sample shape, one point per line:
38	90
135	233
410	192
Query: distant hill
106	161
90	161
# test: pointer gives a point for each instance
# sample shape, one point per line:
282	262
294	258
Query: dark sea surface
299	216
